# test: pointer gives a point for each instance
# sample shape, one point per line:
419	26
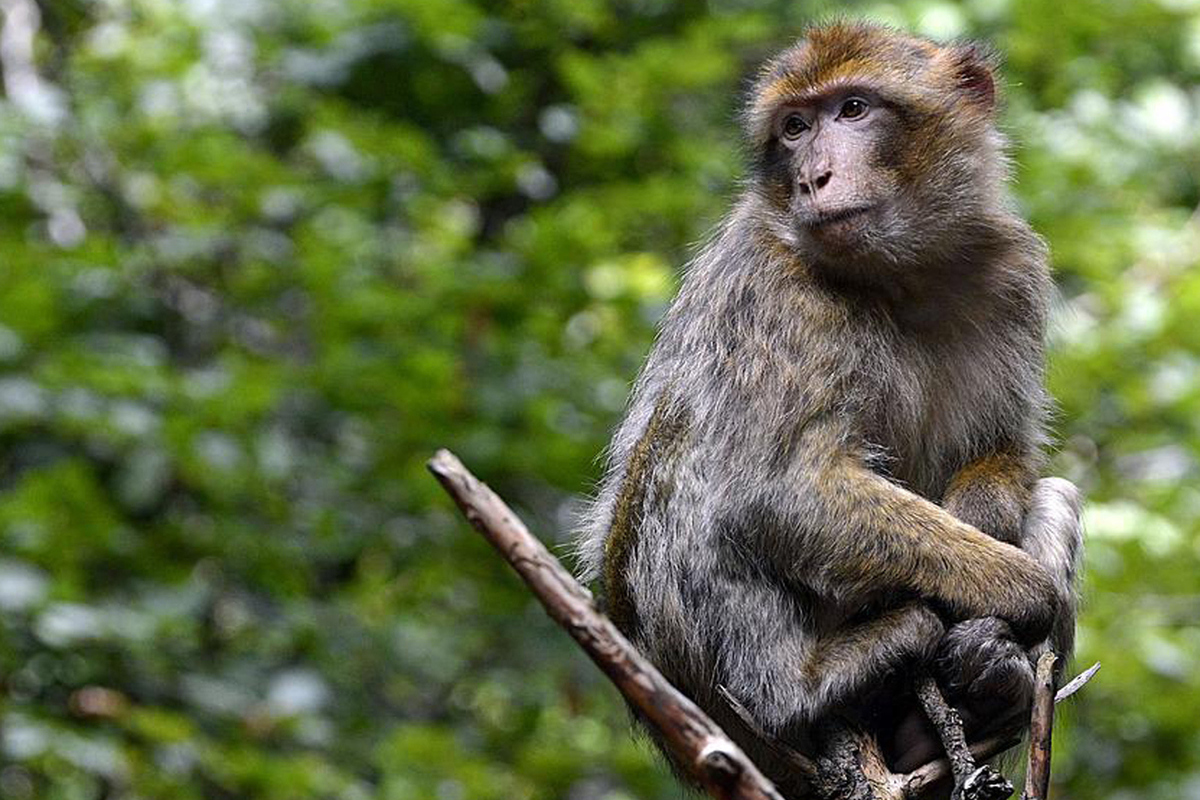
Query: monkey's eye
853	108
793	126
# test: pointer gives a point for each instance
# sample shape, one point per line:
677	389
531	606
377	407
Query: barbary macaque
827	475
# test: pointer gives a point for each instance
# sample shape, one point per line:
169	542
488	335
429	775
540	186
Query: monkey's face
830	170
875	150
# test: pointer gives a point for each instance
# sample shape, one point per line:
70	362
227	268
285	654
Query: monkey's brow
818	93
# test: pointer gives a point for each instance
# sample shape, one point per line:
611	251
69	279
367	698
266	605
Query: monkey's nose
810	185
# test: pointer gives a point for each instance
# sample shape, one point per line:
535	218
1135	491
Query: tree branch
1041	726
1076	683
696	742
971	782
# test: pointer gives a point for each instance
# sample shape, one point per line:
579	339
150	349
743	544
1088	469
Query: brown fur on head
921	178
917	72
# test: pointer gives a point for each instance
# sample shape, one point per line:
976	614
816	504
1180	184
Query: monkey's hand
986	674
1030	618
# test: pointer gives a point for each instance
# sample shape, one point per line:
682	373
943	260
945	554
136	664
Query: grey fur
743	566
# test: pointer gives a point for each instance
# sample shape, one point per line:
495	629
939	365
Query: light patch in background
644	276
887	14
559	123
536	182
1162	111
21	398
1182	6
295	692
337	156
67	624
988	10
1144	311
216	695
218	450
11	344
22	586
1124	520
941	21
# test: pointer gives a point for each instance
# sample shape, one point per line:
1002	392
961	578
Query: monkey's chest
924	419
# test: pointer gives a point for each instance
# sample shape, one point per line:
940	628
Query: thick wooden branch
852	768
697	743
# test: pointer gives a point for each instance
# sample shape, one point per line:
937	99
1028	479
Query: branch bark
1041	726
971	782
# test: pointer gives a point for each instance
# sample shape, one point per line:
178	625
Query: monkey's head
876	151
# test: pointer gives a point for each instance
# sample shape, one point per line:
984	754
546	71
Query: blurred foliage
260	257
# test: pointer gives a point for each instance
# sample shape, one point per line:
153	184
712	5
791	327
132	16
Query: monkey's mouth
824	220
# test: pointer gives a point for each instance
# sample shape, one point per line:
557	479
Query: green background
259	258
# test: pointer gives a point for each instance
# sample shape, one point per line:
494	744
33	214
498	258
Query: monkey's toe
985	783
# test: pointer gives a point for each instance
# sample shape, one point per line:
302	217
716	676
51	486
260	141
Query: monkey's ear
974	76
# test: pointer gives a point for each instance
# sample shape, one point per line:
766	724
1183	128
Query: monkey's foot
985	783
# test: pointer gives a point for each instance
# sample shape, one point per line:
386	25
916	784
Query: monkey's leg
844	665
796	682
992	493
796	692
841	672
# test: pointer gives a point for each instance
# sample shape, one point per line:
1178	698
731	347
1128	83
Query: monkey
826	476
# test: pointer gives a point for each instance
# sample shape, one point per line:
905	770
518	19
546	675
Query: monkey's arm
992	494
859	536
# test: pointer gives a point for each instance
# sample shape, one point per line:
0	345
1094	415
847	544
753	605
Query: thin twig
1076	683
1041	727
971	781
